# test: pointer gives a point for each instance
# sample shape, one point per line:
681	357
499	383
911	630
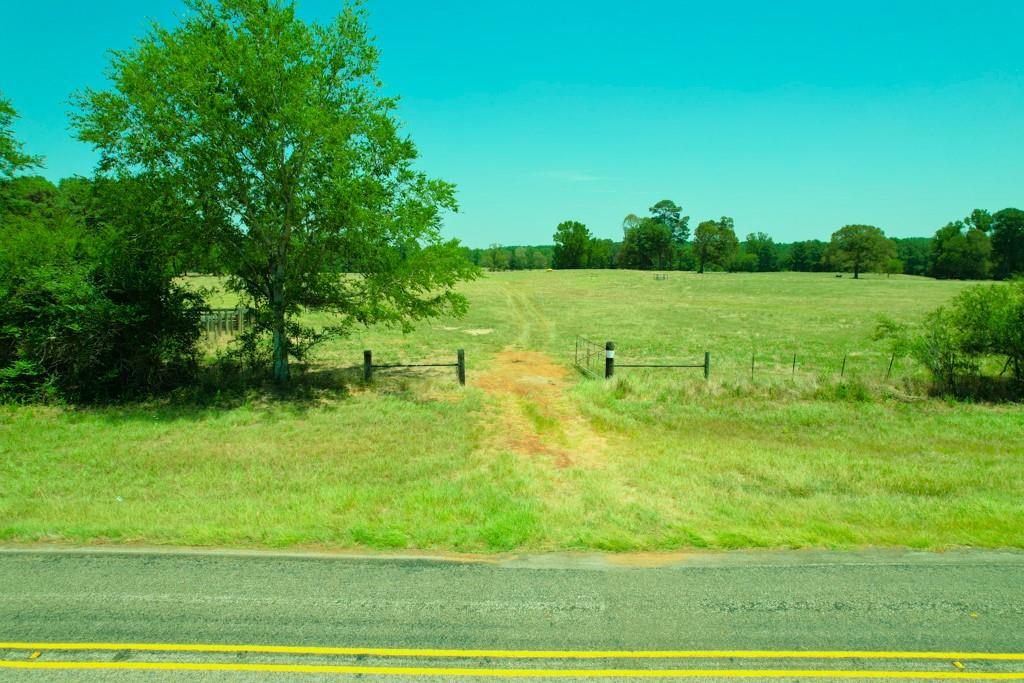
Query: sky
794	118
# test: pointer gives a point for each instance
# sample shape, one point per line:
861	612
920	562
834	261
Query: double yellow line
517	654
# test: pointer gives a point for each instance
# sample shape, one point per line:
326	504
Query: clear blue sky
795	118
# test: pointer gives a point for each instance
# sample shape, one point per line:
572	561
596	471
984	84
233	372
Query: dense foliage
274	134
959	343
89	308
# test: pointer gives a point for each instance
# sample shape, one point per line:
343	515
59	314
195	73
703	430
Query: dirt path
535	415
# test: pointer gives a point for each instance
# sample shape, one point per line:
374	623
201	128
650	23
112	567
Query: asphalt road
708	617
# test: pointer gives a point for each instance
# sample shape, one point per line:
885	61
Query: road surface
145	616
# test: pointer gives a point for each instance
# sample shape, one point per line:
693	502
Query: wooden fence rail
460	366
227	321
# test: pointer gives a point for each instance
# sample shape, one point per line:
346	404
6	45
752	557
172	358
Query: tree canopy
961	251
715	243
860	248
12	155
572	242
288	162
1007	228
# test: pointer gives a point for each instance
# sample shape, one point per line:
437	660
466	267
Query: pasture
531	455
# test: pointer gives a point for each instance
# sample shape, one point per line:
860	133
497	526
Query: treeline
982	245
498	257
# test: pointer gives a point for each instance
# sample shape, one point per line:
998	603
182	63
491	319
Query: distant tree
807	256
743	262
497	257
763	248
860	248
915	253
277	136
979	219
572	240
960	252
1008	242
520	259
715	243
630	221
13	158
892	266
647	245
601	251
538	260
669	214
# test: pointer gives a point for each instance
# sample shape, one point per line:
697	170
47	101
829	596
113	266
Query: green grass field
534	456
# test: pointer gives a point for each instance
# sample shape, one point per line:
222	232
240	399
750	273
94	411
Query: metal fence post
461	354
794	365
842	371
751	367
707	364
891	361
367	366
609	359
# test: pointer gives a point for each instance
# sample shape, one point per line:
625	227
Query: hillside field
533	455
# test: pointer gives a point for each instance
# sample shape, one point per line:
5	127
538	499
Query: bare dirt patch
535	414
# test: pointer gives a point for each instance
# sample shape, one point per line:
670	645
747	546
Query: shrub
89	309
983	322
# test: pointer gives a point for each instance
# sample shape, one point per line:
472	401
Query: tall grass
656	459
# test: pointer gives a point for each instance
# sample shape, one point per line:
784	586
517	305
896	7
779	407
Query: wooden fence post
707	364
367	366
752	366
609	359
461	354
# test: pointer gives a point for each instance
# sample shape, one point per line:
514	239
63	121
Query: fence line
789	367
460	366
587	352
227	321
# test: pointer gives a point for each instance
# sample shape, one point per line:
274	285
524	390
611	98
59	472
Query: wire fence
589	357
735	364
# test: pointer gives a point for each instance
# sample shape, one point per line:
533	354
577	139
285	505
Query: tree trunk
277	306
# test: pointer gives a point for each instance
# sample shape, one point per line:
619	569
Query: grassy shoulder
368	470
531	456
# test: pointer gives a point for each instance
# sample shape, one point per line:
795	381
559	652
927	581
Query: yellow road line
518	673
522	654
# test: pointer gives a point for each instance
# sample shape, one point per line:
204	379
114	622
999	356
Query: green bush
89	309
959	342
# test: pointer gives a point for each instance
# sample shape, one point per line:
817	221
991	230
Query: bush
89	309
983	323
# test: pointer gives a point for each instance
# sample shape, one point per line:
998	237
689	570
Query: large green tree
1008	242
806	256
860	248
715	243
274	135
12	155
762	246
647	244
961	252
572	242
